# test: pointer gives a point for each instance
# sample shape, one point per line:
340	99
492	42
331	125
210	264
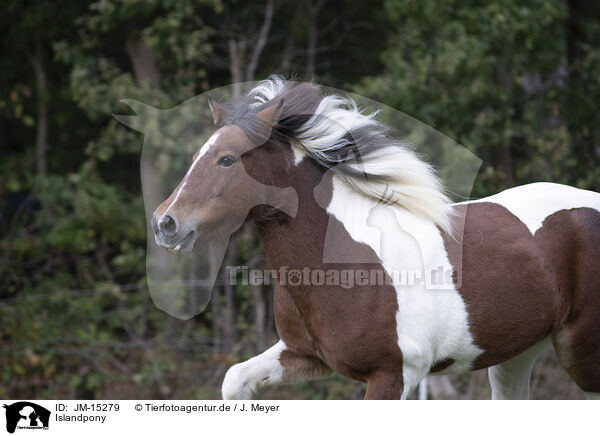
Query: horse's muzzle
168	234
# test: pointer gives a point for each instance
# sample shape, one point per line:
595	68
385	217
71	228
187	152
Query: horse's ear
216	109
271	114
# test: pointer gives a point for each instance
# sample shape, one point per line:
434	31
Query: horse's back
529	256
534	202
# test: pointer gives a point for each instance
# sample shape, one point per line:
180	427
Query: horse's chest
292	326
350	330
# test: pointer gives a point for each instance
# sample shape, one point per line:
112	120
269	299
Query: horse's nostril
154	224
167	225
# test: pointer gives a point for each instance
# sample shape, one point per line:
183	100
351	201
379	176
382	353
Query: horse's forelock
300	102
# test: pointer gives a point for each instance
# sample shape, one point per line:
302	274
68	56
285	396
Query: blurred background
517	83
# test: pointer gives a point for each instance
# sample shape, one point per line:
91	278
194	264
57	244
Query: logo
26	415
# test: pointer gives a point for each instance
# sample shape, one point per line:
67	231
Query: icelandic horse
528	257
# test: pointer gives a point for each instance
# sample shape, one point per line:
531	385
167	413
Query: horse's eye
226	161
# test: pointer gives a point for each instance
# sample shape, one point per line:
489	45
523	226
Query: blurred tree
492	75
88	237
581	88
30	81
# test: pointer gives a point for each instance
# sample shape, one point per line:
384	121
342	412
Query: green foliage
492	76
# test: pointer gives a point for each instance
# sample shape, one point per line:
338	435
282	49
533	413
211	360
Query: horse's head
221	185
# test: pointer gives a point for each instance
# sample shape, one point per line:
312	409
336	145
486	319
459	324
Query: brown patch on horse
511	298
351	330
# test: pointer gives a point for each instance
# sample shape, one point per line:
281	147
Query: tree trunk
145	68
582	122
505	161
236	58
229	326
313	35
503	154
41	138
270	322
217	319
260	42
259	316
288	51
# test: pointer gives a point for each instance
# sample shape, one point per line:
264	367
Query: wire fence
548	380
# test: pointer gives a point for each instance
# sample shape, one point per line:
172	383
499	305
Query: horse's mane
338	135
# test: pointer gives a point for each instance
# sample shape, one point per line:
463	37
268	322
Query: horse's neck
313	238
296	242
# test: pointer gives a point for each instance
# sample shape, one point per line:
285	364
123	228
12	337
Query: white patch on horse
207	145
510	379
432	324
298	154
242	380
534	202
203	150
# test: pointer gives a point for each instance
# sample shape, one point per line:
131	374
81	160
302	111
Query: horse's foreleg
384	386
276	365
242	380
